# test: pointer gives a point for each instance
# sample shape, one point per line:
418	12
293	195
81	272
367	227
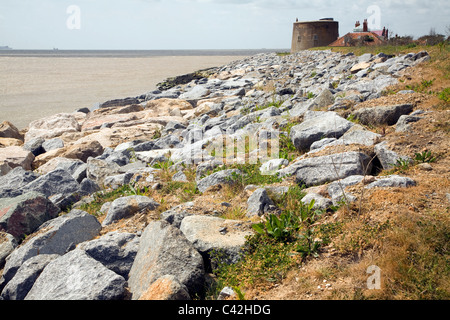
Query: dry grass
405	232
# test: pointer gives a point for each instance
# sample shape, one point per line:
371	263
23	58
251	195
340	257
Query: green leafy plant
422	87
250	174
282	229
445	95
310	95
307	245
307	214
239	293
424	156
263	259
163	165
335	84
402	165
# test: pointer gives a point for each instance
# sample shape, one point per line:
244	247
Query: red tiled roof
378	32
377	40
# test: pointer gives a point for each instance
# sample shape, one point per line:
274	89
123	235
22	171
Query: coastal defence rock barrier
50	249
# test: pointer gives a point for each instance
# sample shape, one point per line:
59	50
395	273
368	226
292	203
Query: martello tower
309	34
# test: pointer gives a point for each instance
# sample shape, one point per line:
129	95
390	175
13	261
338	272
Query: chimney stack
357	24
365	26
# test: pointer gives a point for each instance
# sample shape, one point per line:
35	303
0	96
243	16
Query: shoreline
37	87
133	53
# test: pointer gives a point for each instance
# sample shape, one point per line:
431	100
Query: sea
38	83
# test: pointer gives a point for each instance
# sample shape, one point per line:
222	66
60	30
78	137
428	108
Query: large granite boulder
164	250
22	215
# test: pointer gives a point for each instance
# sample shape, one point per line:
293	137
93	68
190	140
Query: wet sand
36	87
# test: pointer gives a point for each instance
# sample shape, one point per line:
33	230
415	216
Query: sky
199	24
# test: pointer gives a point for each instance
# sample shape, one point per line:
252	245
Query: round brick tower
309	34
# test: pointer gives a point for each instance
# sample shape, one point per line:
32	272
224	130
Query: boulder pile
50	249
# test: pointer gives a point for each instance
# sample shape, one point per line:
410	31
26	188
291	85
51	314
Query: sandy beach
36	87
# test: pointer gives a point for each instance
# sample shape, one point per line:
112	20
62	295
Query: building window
299	39
316	37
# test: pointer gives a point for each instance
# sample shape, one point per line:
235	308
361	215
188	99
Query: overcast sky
198	24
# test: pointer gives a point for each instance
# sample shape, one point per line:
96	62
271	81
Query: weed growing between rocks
279	244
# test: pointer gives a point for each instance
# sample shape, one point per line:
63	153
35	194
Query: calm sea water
39	83
133	53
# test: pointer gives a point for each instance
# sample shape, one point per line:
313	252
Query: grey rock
175	215
195	93
98	170
405	91
367	85
22	215
133	145
174	125
358	135
88	187
321	143
382	115
392	181
134	167
167	142
153	156
126	206
23	281
76	276
56	236
11	184
58	181
226	293
120	158
337	191
324	99
387	157
205	234
166	288
259	203
83	110
7	245
164	250
318	125
4	168
271	166
217	178
276	192
179	176
320	202
419	55
119	102
35	146
365	57
404	123
8	130
142	173
117	181
319	170
115	250
52	144
75	167
205	166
